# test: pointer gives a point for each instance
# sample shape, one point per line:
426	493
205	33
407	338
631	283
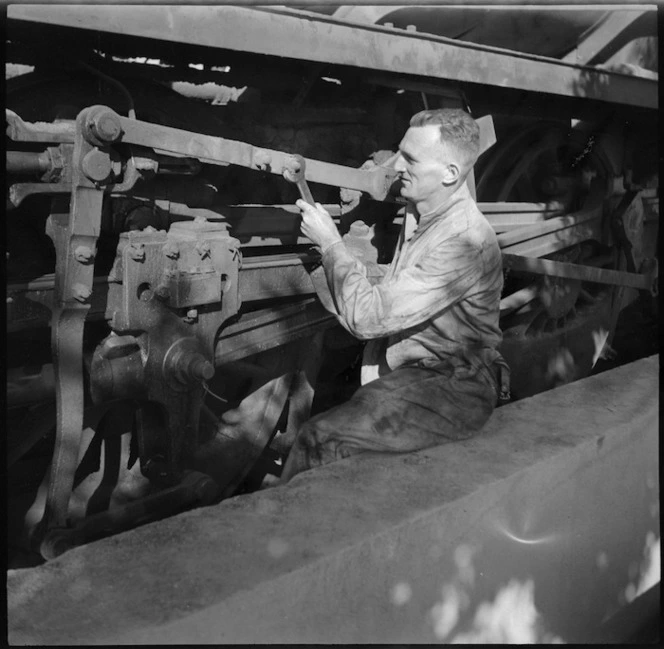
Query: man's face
421	163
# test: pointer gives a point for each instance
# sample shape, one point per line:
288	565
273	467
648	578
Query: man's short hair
457	128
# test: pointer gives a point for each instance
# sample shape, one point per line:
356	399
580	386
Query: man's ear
451	173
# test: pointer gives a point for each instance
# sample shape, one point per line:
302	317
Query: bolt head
83	254
262	160
192	316
96	165
171	251
137	251
203	248
106	126
146	164
81	292
163	292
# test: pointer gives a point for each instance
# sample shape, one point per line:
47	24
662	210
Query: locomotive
166	338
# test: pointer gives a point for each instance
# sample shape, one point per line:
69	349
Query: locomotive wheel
107	474
558	335
254	408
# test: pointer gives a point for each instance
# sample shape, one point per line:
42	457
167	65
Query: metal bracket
75	237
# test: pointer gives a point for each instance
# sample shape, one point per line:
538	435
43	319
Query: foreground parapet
538	530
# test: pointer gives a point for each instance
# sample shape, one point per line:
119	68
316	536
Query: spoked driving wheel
554	329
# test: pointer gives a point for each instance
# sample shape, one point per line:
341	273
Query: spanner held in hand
294	173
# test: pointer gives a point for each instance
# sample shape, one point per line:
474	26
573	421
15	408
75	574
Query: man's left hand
317	225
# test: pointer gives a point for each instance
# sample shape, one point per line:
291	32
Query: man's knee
318	444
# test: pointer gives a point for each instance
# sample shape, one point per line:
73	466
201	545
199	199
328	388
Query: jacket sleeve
409	298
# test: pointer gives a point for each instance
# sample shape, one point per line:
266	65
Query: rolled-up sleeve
406	299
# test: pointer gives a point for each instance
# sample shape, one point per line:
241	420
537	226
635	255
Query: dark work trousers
411	408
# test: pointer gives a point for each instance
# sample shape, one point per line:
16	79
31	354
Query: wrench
294	173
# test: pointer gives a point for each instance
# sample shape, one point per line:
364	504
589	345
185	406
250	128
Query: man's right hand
317	225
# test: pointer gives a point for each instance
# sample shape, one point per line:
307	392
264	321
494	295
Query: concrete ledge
539	529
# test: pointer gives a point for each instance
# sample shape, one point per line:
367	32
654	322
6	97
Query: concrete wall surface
539	530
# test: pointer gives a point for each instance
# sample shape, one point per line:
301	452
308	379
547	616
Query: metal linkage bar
207	149
564	270
220	151
268	328
313	37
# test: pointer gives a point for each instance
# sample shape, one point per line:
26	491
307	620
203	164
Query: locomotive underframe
183	297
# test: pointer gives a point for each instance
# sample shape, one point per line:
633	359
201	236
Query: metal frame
312	37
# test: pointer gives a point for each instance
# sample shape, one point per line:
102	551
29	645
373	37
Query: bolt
81	292
192	367
203	248
83	254
146	295
163	292
171	250
200	220
105	125
57	542
192	316
201	369
137	251
262	160
146	164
